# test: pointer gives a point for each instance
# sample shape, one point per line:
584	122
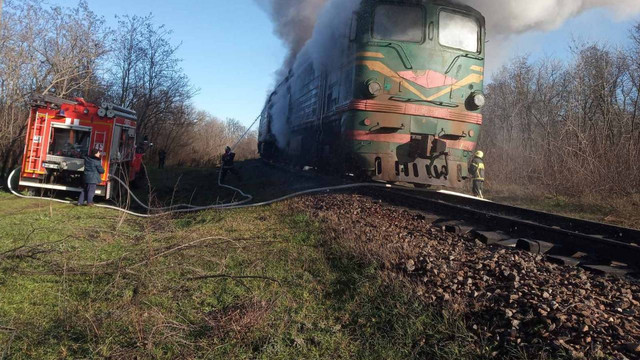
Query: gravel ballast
510	298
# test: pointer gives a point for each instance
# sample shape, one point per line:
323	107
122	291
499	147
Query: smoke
316	33
509	17
294	21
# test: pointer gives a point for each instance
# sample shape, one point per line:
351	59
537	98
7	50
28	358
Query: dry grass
616	210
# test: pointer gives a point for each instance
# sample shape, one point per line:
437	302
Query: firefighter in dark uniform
227	165
162	158
476	170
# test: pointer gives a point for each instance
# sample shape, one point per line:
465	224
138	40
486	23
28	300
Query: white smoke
316	32
295	20
509	17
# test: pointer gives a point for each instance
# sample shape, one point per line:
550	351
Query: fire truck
61	132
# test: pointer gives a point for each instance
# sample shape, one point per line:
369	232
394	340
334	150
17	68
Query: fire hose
191	208
186	208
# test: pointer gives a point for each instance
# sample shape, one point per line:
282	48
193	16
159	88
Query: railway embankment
346	275
512	301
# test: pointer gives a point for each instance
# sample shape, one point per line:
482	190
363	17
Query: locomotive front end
416	113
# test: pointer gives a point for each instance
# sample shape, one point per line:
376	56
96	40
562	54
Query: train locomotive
402	102
61	132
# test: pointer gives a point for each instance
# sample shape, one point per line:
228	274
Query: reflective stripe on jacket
476	169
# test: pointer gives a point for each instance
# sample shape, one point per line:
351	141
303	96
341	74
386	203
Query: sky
231	54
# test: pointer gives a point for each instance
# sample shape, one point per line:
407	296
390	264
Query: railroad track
595	246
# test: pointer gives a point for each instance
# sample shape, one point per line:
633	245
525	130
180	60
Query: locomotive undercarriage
424	160
420	172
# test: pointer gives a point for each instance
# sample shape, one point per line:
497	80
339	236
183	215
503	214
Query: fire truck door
115	144
123	143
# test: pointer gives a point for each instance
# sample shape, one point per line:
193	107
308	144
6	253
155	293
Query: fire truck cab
60	133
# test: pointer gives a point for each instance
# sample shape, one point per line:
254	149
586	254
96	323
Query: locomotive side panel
300	122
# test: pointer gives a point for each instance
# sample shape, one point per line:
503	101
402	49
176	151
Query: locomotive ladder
34	154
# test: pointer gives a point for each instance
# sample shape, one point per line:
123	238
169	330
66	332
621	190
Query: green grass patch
266	284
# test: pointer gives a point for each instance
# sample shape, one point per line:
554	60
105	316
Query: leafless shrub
74	54
571	128
60	56
204	144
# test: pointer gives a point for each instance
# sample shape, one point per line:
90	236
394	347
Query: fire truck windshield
73	143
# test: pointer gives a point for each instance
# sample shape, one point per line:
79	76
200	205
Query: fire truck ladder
34	154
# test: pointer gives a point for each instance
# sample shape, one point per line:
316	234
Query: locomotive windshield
73	143
399	22
459	31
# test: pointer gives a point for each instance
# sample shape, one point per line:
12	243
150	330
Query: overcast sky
231	54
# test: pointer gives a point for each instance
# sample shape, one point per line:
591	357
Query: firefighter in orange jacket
476	170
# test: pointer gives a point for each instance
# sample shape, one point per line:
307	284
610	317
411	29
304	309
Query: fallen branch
25	251
7	349
179	248
232	277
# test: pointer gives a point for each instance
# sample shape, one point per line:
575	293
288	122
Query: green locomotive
396	97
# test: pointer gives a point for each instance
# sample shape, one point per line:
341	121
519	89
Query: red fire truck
61	133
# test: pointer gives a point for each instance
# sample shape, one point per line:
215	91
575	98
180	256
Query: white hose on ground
193	208
189	206
210	207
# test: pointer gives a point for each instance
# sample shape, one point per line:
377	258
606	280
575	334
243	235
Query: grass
266	284
621	211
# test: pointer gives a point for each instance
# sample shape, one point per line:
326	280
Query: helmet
228	149
479	154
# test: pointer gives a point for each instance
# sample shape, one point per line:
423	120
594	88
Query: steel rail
482	212
622	234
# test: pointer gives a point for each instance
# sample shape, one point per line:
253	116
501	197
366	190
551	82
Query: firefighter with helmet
476	170
228	166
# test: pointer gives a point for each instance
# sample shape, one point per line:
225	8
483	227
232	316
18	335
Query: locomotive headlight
476	101
373	87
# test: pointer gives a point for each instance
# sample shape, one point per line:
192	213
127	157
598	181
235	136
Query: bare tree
60	55
570	128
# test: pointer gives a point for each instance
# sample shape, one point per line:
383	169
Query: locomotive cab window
73	143
400	23
459	31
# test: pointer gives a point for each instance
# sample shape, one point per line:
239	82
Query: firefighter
227	165
476	170
162	157
92	171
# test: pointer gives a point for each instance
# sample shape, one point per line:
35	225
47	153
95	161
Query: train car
400	100
60	133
